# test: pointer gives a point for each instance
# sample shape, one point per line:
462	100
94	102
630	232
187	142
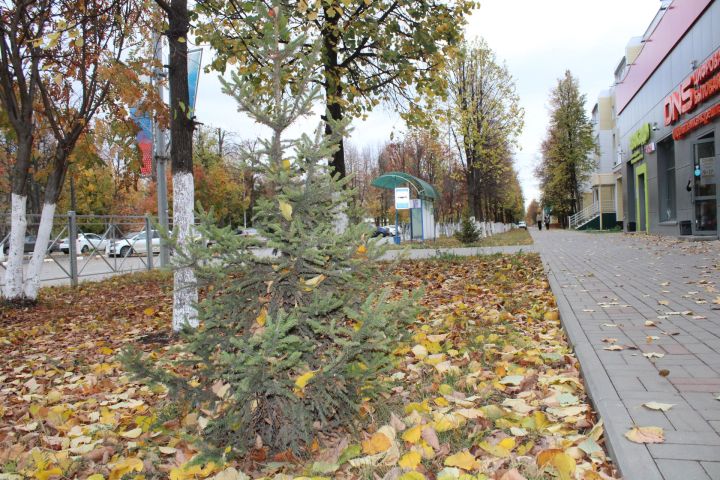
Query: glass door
705	187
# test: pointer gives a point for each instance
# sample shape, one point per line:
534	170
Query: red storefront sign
703	84
694	123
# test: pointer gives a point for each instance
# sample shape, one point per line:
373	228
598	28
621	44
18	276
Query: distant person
547	222
539	220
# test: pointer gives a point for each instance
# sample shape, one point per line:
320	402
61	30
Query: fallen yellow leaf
412	435
302	381
412	476
286	210
134	433
125	466
262	318
464	460
410	460
508	443
315	281
565	466
46	474
379	442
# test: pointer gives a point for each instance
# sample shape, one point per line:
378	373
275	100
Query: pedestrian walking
547	222
539	220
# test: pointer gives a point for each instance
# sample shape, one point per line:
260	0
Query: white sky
539	40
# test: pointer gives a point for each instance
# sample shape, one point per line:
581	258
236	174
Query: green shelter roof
392	180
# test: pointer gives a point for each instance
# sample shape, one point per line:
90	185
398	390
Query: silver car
133	243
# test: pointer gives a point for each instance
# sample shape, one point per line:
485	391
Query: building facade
667	123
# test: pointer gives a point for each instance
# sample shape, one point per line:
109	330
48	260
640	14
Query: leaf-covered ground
486	388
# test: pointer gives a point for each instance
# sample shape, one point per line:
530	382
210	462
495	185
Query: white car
522	225
86	242
133	243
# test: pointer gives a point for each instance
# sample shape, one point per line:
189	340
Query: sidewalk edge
632	460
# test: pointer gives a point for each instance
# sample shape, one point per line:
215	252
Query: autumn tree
21	22
219	176
372	51
84	71
566	161
532	212
485	120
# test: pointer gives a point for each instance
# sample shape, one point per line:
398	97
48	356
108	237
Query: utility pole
161	156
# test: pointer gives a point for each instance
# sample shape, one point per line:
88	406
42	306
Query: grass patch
518	236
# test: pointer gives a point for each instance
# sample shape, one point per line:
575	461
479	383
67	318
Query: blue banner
194	61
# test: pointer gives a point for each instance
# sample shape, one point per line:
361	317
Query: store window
666	179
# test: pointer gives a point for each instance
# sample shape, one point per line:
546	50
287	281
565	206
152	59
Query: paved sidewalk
654	296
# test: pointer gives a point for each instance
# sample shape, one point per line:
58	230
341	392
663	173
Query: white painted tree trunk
32	280
185	294
14	268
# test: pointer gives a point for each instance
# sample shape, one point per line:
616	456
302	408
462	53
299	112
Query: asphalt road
56	270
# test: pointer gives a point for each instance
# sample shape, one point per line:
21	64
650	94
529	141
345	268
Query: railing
584	215
590	212
78	246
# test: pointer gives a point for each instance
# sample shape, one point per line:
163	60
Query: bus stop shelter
422	216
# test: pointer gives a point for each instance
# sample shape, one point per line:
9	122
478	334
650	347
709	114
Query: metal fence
83	246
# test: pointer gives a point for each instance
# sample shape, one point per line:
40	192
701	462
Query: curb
633	460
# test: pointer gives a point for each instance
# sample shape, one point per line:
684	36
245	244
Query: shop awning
392	180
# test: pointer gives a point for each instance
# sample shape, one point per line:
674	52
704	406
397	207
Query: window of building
666	179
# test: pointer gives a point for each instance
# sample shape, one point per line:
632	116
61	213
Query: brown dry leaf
646	435
658	406
513	474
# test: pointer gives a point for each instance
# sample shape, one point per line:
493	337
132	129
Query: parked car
133	243
522	225
28	244
381	232
86	242
247	232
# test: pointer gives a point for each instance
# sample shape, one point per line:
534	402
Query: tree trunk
32	282
181	131
52	194
14	267
333	88
18	219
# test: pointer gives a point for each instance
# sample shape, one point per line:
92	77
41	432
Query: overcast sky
539	40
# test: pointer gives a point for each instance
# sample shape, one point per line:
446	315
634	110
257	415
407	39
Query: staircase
584	216
582	219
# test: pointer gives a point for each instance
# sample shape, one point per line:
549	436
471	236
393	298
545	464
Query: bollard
72	240
148	242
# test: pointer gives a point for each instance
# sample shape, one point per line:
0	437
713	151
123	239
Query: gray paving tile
707	453
683	469
712	469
